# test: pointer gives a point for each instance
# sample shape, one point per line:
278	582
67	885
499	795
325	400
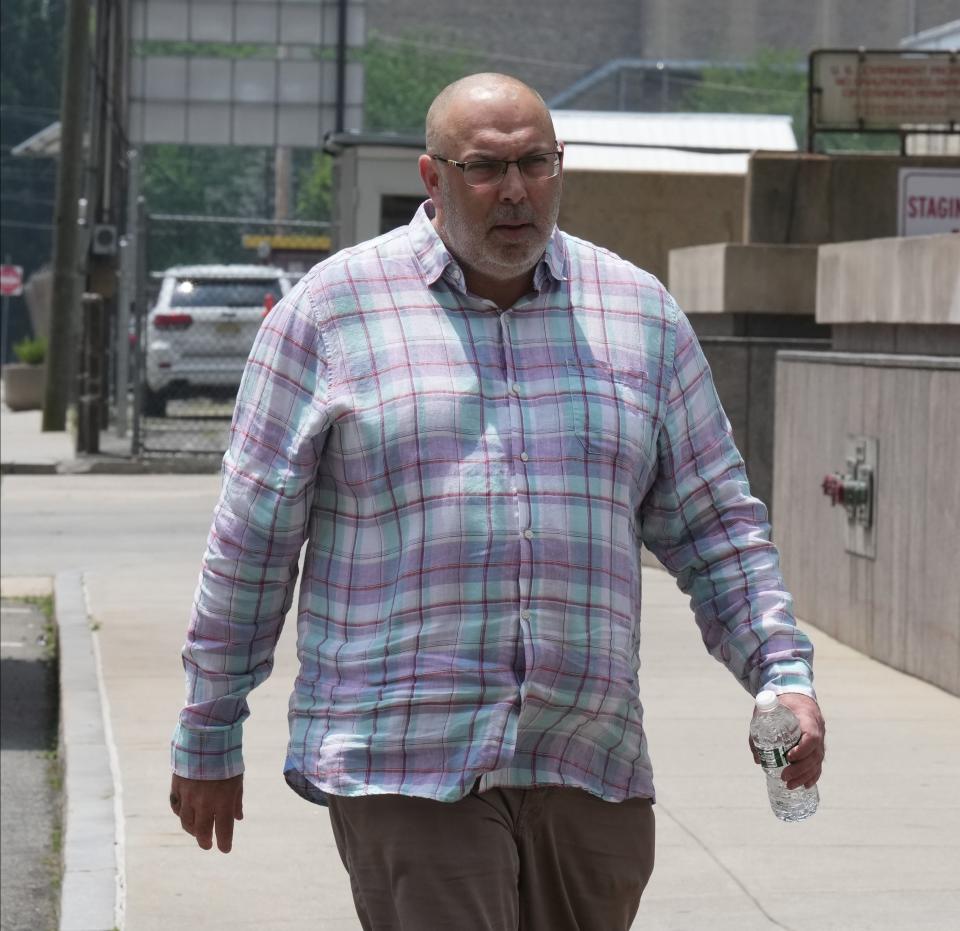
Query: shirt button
525	615
515	388
528	533
524	456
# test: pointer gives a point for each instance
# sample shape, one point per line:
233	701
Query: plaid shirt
474	487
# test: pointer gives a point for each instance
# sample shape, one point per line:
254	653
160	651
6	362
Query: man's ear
430	177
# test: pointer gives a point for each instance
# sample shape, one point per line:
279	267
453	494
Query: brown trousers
550	859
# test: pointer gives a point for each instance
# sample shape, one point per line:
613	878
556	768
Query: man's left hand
805	760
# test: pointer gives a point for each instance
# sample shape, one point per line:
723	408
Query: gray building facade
552	44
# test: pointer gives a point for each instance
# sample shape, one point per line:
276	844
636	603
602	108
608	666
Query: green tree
314	187
213	181
401	78
771	83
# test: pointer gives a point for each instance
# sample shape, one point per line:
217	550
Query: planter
24	386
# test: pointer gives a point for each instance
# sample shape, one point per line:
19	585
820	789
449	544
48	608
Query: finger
187	818
808	782
203	830
238	806
810	744
224	827
797	775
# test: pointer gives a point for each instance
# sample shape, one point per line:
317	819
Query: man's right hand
207	805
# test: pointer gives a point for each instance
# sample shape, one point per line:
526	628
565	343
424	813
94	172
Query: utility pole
62	346
342	11
282	172
282	184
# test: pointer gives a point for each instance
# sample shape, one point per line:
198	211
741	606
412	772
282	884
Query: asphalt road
29	803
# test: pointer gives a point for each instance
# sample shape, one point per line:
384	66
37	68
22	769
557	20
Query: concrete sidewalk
24	448
882	853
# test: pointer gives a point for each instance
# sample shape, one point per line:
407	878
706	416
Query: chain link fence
210	283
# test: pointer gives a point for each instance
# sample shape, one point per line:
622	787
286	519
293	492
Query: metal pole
140	298
341	65
6	321
90	388
3	338
128	272
61	350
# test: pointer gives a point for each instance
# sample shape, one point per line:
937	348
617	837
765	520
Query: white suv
200	331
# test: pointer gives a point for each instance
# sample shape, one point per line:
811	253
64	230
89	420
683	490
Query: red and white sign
929	201
11	280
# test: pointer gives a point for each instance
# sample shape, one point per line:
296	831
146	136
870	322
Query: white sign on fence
884	90
929	201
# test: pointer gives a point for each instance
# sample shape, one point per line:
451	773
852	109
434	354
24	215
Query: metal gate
212	282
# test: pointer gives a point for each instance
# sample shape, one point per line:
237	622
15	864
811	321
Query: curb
193	465
92	894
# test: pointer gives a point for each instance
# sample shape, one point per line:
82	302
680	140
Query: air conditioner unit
104	239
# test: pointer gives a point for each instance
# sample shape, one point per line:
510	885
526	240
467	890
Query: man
474	421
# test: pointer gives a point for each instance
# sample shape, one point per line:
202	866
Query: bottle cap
766	700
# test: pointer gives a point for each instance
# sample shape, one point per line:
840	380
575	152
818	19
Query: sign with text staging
929	201
881	91
242	72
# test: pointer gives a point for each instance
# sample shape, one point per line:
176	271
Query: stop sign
11	280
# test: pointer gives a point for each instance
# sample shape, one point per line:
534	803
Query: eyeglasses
491	171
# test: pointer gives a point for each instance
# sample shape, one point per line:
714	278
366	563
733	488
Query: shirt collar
435	259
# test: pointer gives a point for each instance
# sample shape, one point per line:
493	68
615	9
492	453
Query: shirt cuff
788	677
211	753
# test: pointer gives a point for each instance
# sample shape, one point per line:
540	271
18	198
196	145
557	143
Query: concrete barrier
889	589
755	278
892	295
796	197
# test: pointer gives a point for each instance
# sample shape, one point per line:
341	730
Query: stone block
890	281
724	278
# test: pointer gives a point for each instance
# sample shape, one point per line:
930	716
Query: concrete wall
552	43
892	295
907	281
746	302
903	607
892	591
737	278
744	372
721	29
800	198
643	216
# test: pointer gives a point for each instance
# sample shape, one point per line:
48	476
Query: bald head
497	231
459	106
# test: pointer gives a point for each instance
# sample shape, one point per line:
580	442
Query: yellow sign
287	242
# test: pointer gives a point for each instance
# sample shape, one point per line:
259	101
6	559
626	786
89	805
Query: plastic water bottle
775	732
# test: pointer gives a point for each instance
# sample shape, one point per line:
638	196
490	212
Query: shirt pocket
610	413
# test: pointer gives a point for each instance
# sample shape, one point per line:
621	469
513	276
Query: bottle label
775	757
